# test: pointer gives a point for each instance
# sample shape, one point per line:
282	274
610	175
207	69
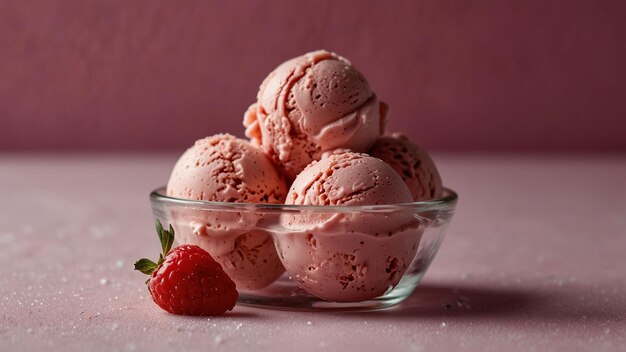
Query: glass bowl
314	257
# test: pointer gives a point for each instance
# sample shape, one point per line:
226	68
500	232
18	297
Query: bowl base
284	294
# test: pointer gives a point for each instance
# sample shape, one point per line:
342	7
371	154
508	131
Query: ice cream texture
314	118
223	168
312	104
412	163
348	256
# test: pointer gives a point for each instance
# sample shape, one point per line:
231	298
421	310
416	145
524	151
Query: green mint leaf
146	266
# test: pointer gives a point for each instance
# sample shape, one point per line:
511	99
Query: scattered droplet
309	323
104	281
98	231
218	340
6	237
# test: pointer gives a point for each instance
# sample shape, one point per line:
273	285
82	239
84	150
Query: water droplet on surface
104	281
98	231
6	237
218	340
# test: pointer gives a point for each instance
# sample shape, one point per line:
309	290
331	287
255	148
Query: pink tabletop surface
533	260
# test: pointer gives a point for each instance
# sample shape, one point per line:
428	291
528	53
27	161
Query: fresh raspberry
187	280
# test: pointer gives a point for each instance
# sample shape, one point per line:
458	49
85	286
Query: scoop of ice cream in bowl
223	168
312	104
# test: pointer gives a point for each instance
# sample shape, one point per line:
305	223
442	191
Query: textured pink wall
458	75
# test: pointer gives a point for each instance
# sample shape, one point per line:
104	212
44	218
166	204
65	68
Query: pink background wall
458	75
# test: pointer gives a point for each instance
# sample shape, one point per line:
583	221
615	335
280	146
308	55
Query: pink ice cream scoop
412	163
348	256
312	104
223	168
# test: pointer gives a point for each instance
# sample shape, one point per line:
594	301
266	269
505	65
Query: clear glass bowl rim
447	202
